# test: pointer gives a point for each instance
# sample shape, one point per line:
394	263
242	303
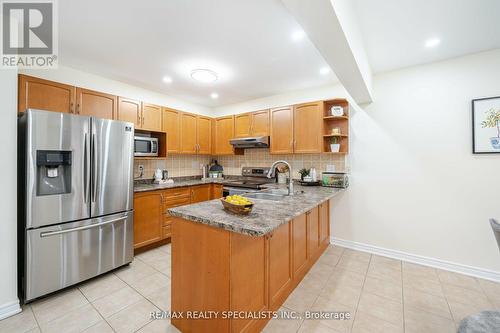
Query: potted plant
492	121
334	145
303	173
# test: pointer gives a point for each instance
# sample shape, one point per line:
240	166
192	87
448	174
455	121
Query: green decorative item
334	144
304	172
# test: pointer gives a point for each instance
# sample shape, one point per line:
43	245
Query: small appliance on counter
335	179
215	170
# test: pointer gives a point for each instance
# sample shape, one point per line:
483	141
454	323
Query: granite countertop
147	185
266	215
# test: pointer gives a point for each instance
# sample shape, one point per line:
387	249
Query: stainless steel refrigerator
75	199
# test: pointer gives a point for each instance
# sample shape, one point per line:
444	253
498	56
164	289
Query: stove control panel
255	171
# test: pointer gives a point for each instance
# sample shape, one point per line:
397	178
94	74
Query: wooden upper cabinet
224	131
242	125
171	120
151	117
35	93
148	218
204	134
260	123
188	133
130	110
281	120
96	104
308	128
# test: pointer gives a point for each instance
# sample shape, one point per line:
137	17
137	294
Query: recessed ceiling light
167	79
214	95
298	35
324	70
204	75
432	42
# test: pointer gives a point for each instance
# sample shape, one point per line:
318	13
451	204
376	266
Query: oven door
62	255
145	146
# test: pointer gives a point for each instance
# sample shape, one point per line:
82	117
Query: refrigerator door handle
94	167
59	232
85	169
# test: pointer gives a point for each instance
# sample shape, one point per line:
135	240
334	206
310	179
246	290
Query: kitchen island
230	271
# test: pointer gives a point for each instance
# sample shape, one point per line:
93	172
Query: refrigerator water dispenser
53	172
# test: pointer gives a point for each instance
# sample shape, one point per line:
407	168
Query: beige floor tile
315	326
101	286
132	317
384	287
334	249
383	271
353	264
459	280
466	296
167	248
120	299
159	326
358	255
422	284
319	274
381	308
342	277
344	295
418	321
151	283
57	305
325	304
34	330
161	298
365	323
73	321
320	268
101	327
19	323
329	259
137	270
162	265
313	284
386	262
460	310
426	302
153	255
300	300
282	325
419	271
492	291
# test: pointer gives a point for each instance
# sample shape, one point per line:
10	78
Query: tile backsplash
190	165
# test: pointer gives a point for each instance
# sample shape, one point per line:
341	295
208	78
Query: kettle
158	175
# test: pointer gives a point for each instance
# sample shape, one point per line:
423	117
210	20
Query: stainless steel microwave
145	146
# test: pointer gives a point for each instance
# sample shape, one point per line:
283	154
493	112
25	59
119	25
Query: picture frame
486	125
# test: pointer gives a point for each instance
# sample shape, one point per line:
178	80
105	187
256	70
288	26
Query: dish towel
483	322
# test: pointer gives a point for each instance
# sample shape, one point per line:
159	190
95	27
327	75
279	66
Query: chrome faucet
290	180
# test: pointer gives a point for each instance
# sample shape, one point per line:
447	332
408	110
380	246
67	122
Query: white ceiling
248	43
394	31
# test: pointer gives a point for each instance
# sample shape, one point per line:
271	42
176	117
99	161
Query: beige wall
177	165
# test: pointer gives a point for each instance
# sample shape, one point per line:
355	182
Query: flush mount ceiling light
324	70
298	35
432	42
204	75
167	79
214	95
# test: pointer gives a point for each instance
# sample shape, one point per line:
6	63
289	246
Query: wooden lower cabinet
217	191
324	223
200	193
218	270
148	218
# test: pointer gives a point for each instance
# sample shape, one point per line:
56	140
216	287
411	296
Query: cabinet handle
78	108
71	108
142	120
162	198
138	118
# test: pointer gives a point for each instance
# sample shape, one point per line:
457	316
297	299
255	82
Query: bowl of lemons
237	204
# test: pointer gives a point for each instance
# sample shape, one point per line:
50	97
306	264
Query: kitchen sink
265	196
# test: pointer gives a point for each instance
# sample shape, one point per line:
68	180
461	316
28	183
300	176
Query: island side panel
200	274
249	275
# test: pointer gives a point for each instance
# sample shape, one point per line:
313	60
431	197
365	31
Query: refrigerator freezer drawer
60	256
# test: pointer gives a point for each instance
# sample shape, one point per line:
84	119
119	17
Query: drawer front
177	192
167	220
166	232
176	201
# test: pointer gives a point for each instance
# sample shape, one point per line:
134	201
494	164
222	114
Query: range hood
250	142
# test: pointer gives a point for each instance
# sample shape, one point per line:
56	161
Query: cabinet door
260	123
217	190
96	104
188	133
171	125
308	127
151	117
280	264
242	124
130	110
282	130
312	217
224	131
324	223
148	218
204	134
299	226
200	193
35	93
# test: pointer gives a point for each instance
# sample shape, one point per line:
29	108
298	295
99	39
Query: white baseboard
425	261
9	309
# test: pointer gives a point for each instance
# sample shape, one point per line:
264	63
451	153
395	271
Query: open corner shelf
341	122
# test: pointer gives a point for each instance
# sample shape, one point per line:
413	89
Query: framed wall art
486	125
